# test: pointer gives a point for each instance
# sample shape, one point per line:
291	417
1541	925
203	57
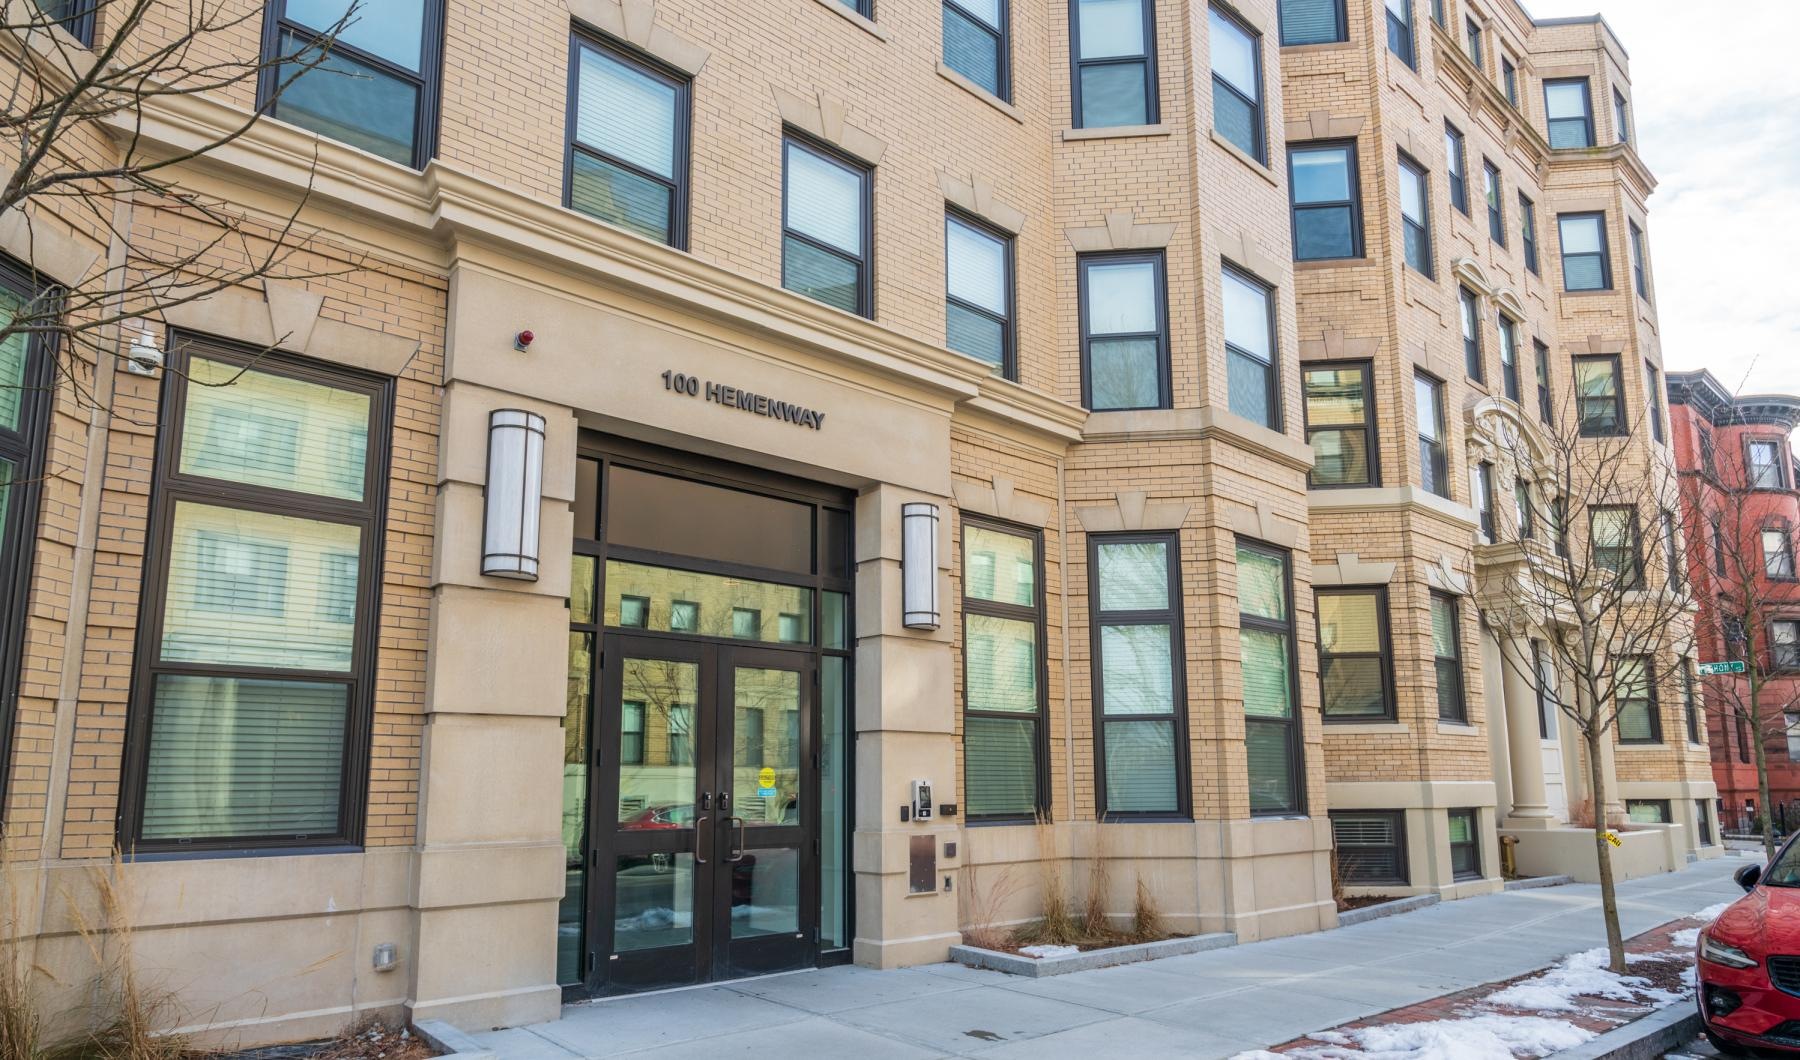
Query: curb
1643	1039
1352	917
1036	968
451	1042
1532	883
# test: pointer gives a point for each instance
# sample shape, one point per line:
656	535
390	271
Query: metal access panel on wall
921	871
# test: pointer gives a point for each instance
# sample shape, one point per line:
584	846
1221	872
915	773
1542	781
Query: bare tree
1746	585
1590	576
74	118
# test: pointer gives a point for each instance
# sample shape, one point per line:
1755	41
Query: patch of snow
1711	912
1042	952
1581	974
1686	937
1486	1037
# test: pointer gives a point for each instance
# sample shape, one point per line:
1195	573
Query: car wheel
1725	1046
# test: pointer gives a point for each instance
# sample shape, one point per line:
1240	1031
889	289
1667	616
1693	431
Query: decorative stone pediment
1335	345
634	21
1133	510
1263	524
1121	231
1594	344
1350	569
1323	125
1001	500
1444	577
975	194
825	117
1241	248
287	317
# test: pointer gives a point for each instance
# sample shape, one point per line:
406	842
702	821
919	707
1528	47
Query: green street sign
1722	668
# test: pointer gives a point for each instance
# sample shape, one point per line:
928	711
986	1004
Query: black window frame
1507	330
1002	47
28	450
1450	666
1468	310
865	286
1472	845
80	22
1632	576
1666	811
1509	79
1622	425
1777	565
1456	167
1009	345
1775	462
1384	656
1653	403
1652	708
1258	120
865	8
1780	662
1621	117
1496	202
1404	33
1483	490
1169	615
1587	118
1546	396
1371	443
1703	824
679	207
1640	270
1528	232
428	79
170	487
1276	420
1340	34
1015	612
1396	820
1152	109
1604	253
1164	370
1353	204
1718	546
1472	37
1293	725
1524	509
1673	555
1424	224
1691	704
1434	456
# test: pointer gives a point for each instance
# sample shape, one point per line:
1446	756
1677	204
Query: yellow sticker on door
766	778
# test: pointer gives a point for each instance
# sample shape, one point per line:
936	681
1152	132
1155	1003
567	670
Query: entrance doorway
706	751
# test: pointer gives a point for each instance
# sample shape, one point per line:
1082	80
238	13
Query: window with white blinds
1139	679
1271	715
1312	21
1003	688
1370	846
254	688
1354	674
825	218
628	143
25	388
374	85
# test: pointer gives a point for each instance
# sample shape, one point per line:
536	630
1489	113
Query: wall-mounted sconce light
515	491
919	564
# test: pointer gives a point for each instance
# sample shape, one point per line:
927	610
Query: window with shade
1784	644
1456	166
1434	454
975	43
628	143
252	697
1468	306
1446	653
1586	261
1371	847
1496	214
1778	553
1003	684
1621	118
1250	377
1703	821
1415	216
26	371
1327	209
1569	111
1481	486
1509	79
1673	558
1767	470
1113	53
1546	397
1613	531
1400	31
978	293
1271	707
1653	400
1528	232
1599	399
1690	703
1124	332
1524	510
76	16
374	86
1354	656
1472	38
1465	845
1340	424
1634	693
1139	679
1312	22
1640	273
825	232
1237	82
1509	355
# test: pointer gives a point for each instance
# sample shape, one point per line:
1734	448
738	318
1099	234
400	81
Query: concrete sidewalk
1212	1004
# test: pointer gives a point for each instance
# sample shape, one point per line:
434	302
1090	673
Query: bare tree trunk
1609	899
1762	773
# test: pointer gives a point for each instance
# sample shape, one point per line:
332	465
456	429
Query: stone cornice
1392	499
1201	424
459	217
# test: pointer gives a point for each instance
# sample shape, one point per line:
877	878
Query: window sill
1322	46
1641	745
980	93
1332	263
1361	728
1243	156
856	20
1460	728
1117	132
1604	292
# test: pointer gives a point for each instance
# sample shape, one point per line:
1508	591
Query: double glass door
704	813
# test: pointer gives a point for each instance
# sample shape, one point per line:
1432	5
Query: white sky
1716	94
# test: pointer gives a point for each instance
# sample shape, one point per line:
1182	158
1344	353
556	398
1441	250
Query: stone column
1530	806
905	725
490	855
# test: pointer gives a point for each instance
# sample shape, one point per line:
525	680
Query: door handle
737	853
699	843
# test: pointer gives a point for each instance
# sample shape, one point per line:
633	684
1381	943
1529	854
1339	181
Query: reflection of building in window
1465	848
338	592
746	623
237	575
749	736
631	733
790	629
1647	811
684	617
634	612
681	741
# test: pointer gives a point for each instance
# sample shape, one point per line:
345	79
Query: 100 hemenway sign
732	397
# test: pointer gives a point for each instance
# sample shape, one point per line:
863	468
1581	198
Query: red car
1749	962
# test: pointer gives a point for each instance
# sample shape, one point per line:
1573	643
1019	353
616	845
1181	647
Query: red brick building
1739	475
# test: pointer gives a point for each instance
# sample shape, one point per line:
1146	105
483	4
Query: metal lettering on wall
732	397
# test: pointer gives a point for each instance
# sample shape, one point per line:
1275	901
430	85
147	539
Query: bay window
1456	166
1112	48
1340	424
1569	110
1354	655
1446	652
1327	211
262	586
1784	644
1468	306
1634	691
975	43
978	293
1003	687
1509	355
1237	83
1599	399
1415	216
1271	710
1490	178
1140	702
1251	383
1465	845
825	227
1586	262
1434	460
1613	531
1371	846
1400	31
1763	460
1777	553
1124	332
1312	22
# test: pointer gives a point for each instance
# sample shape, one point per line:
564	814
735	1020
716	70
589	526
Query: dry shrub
1146	919
1094	923
985	901
1058	926
1581	814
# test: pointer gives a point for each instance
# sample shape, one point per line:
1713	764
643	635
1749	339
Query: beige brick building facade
483	830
